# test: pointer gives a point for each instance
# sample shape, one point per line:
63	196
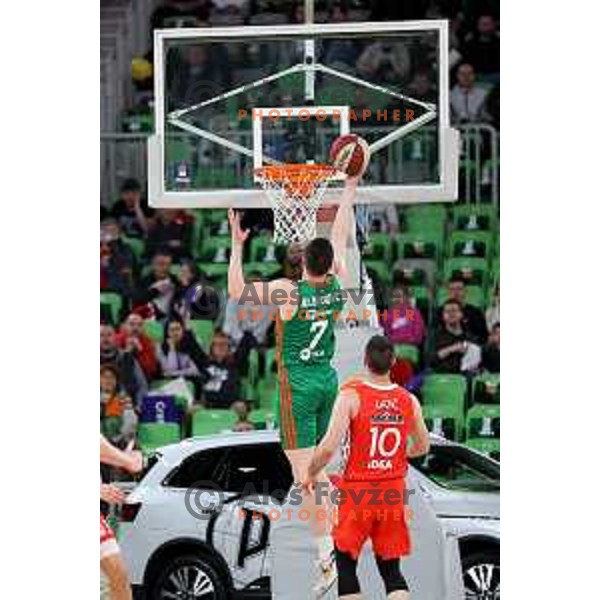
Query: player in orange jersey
385	428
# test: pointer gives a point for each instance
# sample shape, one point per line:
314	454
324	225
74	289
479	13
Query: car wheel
481	576
187	578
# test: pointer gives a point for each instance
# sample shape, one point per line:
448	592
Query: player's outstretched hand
111	494
238	235
135	458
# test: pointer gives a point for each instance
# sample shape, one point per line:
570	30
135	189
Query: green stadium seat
214	256
485	389
449	391
422	299
474	271
215	215
153	435
416	215
115	303
423	244
248	389
408	352
483	421
262	419
473	243
474	295
262	248
267	392
488	446
441	421
495	272
212	421
216	249
415	271
475	217
203	331
379	248
381	269
154	330
496	246
197	232
137	246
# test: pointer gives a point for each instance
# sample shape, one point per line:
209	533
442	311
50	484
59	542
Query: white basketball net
295	192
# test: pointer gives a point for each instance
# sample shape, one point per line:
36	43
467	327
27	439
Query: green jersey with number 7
308	382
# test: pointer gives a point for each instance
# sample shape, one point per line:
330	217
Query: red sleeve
147	357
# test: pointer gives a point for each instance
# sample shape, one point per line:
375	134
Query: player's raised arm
238	287
343	411
419	437
343	225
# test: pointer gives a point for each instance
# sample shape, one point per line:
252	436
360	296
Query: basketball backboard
228	100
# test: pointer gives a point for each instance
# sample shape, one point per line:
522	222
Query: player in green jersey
307	313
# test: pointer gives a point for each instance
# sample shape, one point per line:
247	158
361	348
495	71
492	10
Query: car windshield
459	468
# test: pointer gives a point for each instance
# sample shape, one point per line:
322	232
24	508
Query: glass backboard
230	99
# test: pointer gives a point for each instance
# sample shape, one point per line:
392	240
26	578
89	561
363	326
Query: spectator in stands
242	410
492	314
175	353
131	211
118	420
473	319
157	289
452	341
490	354
291	267
170	232
384	218
482	49
421	87
117	261
467	99
132	338
340	52
196	296
222	369
239	318
385	61
199	74
129	372
403	322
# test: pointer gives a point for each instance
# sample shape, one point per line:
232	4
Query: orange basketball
350	154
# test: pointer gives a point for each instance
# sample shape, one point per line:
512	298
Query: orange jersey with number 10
379	432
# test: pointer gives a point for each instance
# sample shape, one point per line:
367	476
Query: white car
189	528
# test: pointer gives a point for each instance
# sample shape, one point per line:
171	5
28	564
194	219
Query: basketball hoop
295	192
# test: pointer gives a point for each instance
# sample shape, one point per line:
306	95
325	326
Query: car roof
188	446
241	438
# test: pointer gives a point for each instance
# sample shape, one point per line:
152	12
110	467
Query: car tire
189	574
481	575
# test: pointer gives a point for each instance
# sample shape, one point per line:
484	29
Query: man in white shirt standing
467	100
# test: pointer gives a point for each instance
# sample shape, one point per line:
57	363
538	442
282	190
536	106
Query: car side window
201	466
260	467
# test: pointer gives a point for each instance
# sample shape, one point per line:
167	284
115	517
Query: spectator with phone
131	338
156	290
